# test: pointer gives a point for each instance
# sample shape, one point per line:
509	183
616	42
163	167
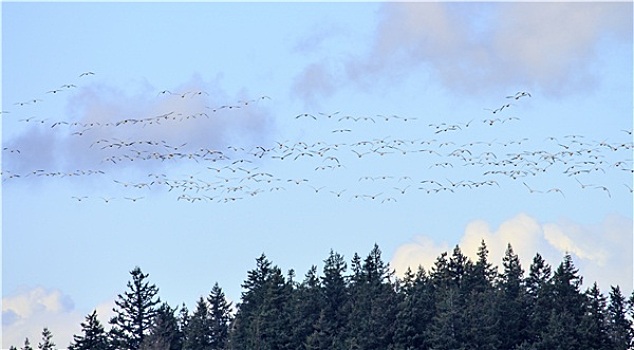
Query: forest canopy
455	304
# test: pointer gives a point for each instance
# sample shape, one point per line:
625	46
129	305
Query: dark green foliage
306	310
458	304
135	311
198	330
93	336
47	340
416	311
372	305
27	344
620	327
512	306
263	320
164	333
219	318
594	326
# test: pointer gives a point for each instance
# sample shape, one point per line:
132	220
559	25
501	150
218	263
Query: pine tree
620	327
183	320
538	293
219	318
480	316
566	310
333	318
276	330
198	331
481	274
416	310
512	310
263	320
27	344
164	332
47	340
594	325
134	312
306	308
93	335
373	305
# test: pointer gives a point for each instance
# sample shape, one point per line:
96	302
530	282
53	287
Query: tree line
456	304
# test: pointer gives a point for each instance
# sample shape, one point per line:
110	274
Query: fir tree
416	310
512	308
47	340
620	327
219	318
306	305
134	312
198	331
164	332
566	310
539	300
373	307
333	318
93	335
594	325
27	344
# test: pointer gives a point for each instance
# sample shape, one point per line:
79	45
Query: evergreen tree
447	328
134	312
415	311
93	335
306	305
457	268
480	316
620	327
538	298
512	312
373	305
183	320
333	318
219	318
566	313
263	320
482	274
594	325
198	331
245	325
47	340
27	344
276	330
164	332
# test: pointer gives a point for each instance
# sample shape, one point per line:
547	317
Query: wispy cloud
602	252
474	48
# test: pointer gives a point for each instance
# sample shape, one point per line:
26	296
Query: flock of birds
340	144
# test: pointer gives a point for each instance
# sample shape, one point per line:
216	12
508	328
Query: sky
189	139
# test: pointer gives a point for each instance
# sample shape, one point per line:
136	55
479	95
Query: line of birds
231	174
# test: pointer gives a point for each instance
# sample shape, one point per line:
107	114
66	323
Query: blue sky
211	133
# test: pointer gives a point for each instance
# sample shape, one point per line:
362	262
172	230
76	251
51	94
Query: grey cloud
108	128
473	48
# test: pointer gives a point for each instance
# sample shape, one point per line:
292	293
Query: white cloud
26	312
422	251
602	252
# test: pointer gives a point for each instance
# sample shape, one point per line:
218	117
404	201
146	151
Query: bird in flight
86	73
